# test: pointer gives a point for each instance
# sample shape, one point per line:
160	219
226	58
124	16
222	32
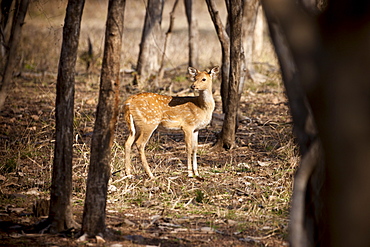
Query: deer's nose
192	86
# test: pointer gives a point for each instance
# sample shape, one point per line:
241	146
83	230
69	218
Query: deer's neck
206	100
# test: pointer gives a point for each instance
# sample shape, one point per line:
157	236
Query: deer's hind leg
194	150
128	144
141	141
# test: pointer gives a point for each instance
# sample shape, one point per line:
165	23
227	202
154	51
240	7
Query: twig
176	202
172	18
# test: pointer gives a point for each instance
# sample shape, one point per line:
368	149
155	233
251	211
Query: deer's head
202	79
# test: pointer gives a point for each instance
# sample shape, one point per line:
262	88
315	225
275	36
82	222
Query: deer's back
166	111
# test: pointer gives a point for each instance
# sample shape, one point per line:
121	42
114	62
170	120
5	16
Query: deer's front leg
194	147
189	148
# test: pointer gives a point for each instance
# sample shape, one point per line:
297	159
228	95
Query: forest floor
242	201
244	197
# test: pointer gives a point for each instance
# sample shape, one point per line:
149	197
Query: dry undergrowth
244	196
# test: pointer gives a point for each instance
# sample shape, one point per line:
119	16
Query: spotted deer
144	112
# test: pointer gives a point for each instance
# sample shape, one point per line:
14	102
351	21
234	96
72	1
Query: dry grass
245	195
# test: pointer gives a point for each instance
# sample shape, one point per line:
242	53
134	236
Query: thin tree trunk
60	213
193	33
249	23
4	17
225	48
227	137
15	37
151	46
93	222
258	35
168	35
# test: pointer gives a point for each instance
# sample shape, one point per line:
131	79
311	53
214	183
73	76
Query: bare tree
15	36
93	222
60	213
259	34
193	33
249	24
328	63
227	136
152	41
167	38
225	48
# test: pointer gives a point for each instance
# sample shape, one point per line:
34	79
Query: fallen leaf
32	191
82	238
16	210
261	163
35	117
128	222
99	240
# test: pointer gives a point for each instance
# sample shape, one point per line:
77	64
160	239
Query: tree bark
249	23
225	48
151	46
168	35
60	213
304	213
193	33
258	35
15	37
4	17
227	137
331	54
106	119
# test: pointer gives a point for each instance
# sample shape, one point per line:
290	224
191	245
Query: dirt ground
242	201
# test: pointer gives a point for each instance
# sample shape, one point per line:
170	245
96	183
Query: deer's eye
204	79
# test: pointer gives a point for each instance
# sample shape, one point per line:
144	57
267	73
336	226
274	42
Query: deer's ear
193	71
214	71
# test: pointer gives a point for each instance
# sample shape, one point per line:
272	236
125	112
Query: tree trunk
151	46
258	35
60	213
227	137
193	34
332	62
4	17
15	37
225	48
304	208
106	118
168	35
249	23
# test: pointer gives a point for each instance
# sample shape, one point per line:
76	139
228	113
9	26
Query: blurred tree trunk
304	213
225	48
227	136
152	41
4	17
249	24
60	213
193	33
93	222
331	58
259	31
15	37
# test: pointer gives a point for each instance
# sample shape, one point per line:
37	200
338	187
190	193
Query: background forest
245	196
